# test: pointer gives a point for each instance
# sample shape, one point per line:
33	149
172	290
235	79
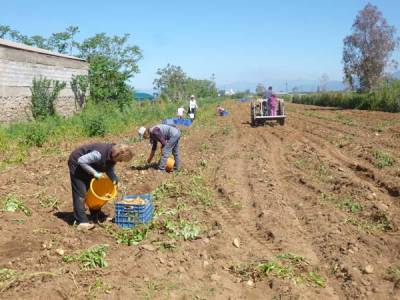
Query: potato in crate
134	210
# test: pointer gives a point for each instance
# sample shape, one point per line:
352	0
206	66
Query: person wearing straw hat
168	136
93	161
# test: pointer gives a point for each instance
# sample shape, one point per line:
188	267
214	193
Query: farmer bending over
220	110
169	137
93	161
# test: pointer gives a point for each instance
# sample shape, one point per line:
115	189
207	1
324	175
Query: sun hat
141	131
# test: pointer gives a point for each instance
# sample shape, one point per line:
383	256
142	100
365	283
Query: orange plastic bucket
170	164
100	192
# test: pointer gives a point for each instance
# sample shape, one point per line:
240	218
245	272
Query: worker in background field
220	110
93	161
168	136
192	106
180	113
272	105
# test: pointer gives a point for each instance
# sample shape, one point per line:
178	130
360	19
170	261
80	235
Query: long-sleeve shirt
86	160
162	133
93	158
192	104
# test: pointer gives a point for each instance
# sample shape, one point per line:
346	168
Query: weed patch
346	203
382	159
183	229
91	258
10	278
199	190
13	203
97	287
130	236
393	273
378	223
47	201
286	266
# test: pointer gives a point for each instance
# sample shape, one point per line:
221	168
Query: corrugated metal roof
24	47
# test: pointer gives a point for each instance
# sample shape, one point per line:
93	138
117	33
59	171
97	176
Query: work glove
98	175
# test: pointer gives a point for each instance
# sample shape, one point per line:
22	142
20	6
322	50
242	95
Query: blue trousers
171	146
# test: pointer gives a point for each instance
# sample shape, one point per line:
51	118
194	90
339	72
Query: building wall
18	67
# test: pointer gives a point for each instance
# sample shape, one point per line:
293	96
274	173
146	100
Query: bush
385	98
36	134
94	125
44	94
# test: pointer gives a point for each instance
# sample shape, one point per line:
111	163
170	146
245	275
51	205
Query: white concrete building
20	64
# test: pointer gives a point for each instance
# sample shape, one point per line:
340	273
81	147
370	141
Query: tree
261	90
4	30
112	60
171	82
115	48
175	85
367	51
200	87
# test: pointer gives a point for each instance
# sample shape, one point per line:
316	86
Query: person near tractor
168	136
272	105
92	161
265	103
181	111
192	105
268	93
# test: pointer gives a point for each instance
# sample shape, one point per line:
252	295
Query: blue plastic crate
169	121
184	122
177	121
130	215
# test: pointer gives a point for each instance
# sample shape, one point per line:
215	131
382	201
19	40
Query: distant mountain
283	86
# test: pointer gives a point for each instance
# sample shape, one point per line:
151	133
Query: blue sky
241	42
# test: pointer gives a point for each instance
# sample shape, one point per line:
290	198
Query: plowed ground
316	201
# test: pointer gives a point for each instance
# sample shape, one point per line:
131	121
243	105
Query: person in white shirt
192	105
181	111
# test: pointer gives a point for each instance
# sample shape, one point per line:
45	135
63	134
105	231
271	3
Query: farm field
309	210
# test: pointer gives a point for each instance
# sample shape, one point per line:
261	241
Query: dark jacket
103	165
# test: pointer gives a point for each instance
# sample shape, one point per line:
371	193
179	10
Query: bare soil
313	188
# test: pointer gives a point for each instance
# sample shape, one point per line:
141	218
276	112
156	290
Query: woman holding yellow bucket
168	136
93	161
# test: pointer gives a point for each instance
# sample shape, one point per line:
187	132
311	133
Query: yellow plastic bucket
100	192
170	164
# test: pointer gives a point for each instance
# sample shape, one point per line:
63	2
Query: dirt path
316	201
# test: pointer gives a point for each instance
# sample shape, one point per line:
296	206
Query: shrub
385	98
94	125
44	94
36	134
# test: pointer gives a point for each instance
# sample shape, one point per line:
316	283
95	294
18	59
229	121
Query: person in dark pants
92	161
169	137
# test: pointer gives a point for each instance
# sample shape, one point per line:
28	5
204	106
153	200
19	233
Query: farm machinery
259	112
